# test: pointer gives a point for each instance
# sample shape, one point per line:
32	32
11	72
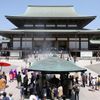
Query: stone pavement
12	89
85	94
15	64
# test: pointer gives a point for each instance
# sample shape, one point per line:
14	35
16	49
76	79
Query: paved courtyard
85	94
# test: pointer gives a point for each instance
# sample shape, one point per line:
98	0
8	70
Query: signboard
86	54
15	54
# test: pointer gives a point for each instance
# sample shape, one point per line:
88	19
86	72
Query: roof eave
44	17
16	19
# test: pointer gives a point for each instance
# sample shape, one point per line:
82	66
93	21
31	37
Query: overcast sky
16	7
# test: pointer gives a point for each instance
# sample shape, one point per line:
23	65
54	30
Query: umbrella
4	64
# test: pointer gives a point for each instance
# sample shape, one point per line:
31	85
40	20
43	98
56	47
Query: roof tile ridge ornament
50	5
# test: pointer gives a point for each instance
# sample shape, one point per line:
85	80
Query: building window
27	45
29	39
73	45
61	25
72	25
73	38
84	39
84	45
28	25
51	39
16	38
50	25
61	39
39	25
36	39
4	45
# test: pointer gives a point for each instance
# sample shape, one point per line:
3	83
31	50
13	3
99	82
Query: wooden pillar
88	42
43	44
68	43
11	42
21	43
56	44
45	26
32	43
79	43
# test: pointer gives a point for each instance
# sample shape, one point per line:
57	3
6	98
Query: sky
17	7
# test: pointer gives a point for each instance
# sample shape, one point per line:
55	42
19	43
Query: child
11	75
10	96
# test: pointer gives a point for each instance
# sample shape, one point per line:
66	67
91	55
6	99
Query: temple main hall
50	28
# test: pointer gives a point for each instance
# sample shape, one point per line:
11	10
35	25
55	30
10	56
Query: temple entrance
48	45
62	45
38	45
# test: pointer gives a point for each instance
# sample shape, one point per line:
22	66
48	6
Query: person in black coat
25	83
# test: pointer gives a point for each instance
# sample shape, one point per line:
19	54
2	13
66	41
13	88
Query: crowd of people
93	82
47	86
41	86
